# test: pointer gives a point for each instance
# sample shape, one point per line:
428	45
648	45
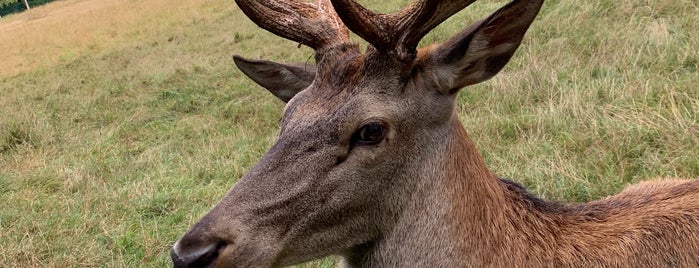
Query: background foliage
122	122
13	6
4	3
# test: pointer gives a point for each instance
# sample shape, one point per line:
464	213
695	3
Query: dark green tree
4	3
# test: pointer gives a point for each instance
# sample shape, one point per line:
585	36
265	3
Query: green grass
110	152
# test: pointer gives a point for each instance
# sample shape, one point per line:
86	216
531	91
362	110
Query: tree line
13	6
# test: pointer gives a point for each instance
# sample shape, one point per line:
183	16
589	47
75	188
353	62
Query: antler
400	31
313	24
320	24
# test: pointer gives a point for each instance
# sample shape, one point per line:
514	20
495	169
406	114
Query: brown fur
651	224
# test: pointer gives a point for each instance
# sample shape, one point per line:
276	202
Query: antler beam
313	24
400	31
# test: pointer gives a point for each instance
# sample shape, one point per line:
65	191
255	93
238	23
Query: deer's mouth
203	257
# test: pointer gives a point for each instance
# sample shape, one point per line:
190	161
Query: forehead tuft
339	74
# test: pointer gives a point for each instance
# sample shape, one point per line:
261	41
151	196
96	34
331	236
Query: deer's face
334	178
357	133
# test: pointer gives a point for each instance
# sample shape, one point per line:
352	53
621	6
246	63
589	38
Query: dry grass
122	122
62	31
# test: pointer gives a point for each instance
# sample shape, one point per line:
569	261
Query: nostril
203	257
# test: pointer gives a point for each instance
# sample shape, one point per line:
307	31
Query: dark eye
370	134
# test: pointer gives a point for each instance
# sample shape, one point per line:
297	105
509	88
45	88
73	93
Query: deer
373	165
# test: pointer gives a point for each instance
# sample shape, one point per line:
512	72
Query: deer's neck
458	215
482	216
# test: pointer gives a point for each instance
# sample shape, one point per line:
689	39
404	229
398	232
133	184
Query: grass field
122	121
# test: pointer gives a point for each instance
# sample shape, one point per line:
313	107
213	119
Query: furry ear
282	80
480	51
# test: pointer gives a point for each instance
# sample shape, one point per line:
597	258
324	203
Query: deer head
362	135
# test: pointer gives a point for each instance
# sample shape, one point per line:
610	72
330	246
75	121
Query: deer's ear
480	51
282	80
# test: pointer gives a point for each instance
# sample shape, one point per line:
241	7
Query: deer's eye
370	134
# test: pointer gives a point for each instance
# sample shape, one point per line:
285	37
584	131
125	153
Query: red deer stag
372	163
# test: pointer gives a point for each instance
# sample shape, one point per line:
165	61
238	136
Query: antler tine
400	31
313	24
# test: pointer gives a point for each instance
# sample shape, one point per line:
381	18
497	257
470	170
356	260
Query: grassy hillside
122	122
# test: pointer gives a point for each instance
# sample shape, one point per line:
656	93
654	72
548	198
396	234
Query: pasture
122	122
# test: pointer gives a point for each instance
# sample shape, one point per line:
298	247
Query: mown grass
117	134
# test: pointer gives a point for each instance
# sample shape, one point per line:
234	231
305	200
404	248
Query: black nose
199	258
